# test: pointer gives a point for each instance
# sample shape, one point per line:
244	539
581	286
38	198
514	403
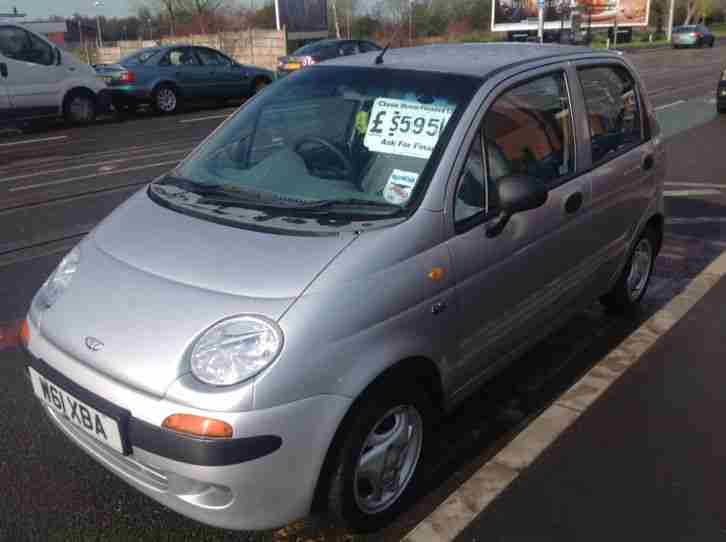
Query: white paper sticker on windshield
399	186
405	128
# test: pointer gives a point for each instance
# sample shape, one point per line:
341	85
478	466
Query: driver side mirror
517	193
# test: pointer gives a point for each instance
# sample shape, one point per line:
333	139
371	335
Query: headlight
60	279
235	349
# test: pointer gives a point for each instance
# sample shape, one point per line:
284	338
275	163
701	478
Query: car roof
479	59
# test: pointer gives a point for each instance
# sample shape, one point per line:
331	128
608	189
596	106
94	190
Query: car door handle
573	202
648	162
438	307
3	69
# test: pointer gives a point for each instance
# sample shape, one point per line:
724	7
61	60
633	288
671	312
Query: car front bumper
263	478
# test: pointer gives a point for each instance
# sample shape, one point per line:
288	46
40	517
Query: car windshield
140	57
684	29
349	141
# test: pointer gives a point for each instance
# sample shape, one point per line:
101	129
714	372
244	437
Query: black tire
79	107
166	99
721	110
713	40
622	299
368	414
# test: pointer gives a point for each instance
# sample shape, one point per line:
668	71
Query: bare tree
171	8
335	18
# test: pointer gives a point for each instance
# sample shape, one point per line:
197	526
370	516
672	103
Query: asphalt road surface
57	183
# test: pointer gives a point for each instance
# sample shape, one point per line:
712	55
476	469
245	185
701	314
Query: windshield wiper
217	193
332	204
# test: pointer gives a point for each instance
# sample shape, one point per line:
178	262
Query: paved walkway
646	462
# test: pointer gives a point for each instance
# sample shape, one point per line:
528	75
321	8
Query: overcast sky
66	8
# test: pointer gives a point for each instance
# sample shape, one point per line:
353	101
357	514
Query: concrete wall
256	47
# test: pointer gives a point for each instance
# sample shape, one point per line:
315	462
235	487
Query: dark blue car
166	76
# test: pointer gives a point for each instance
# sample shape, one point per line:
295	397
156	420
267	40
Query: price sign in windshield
405	128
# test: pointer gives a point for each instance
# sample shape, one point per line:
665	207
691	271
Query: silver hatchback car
278	321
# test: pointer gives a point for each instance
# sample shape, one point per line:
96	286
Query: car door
227	78
33	80
512	287
182	65
623	157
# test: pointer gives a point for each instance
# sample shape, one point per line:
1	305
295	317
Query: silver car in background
278	322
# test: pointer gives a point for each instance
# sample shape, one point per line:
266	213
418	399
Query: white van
37	79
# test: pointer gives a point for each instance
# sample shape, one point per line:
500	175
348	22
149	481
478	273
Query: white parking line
691	193
200	119
699	185
93	175
29	141
697	220
477	493
666	106
103	164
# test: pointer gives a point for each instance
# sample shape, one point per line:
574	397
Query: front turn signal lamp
198	426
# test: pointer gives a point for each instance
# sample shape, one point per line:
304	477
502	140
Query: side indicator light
437	273
198	426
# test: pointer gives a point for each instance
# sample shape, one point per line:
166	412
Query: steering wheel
347	170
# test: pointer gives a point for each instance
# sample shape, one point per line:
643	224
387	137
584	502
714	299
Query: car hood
151	280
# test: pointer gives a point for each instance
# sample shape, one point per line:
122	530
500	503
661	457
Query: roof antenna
379	58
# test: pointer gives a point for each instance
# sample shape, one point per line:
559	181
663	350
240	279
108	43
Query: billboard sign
512	15
302	16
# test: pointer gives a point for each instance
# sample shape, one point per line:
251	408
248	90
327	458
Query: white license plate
105	78
94	423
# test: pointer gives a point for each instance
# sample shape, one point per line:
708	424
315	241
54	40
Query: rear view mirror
58	57
517	193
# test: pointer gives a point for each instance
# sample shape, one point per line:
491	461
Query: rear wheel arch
420	370
657	222
167	83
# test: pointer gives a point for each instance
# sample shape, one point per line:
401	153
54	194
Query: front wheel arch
417	369
73	93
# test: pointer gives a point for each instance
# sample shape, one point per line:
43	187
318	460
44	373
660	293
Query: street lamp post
670	19
99	4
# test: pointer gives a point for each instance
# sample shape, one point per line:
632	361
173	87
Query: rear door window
210	57
613	110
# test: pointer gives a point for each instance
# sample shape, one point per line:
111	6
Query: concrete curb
474	495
